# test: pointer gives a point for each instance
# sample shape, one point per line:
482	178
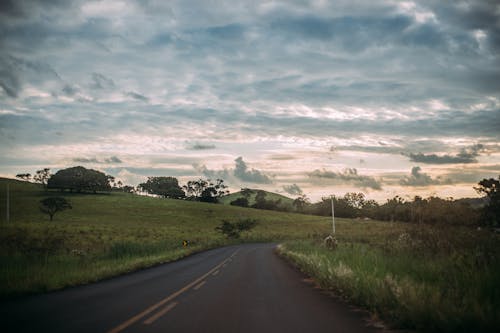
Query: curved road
243	288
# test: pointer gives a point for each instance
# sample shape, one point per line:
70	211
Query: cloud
418	178
110	160
293	189
113	159
99	81
69	90
466	155
349	175
137	96
252	176
240	172
14	71
201	146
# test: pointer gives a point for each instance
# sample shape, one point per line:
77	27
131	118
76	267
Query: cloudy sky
317	97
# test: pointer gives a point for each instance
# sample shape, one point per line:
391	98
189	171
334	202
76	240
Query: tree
79	179
205	190
167	187
300	203
241	201
42	176
53	205
24	176
491	212
246	192
233	230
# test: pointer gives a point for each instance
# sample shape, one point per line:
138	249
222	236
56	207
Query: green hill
285	202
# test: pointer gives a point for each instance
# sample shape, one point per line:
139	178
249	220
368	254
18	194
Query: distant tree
42	176
491	212
300	203
53	205
24	176
246	192
205	190
370	208
354	200
167	187
128	189
79	179
241	201
233	230
260	200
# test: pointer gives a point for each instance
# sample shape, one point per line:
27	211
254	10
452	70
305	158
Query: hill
285	202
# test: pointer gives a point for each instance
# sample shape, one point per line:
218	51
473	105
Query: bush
233	230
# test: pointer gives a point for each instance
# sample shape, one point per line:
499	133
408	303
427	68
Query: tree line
81	180
431	210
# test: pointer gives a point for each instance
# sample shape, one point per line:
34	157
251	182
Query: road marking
157	315
200	285
215	273
167	299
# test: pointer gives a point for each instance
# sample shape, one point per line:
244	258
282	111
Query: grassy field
411	276
108	234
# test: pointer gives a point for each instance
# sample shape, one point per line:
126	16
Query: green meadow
411	276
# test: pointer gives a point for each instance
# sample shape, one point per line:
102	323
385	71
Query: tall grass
429	280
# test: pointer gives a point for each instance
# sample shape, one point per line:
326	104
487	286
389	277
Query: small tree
300	203
242	202
246	192
24	176
491	212
42	176
233	230
53	205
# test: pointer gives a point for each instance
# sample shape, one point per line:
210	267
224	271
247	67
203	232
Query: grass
423	278
410	276
109	234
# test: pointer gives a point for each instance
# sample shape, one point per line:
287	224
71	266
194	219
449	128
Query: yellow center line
167	299
200	285
160	313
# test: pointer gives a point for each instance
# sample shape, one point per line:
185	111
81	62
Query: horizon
387	98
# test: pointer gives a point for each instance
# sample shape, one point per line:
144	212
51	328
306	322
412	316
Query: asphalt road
244	288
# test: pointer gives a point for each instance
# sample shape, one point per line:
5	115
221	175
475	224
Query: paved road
244	288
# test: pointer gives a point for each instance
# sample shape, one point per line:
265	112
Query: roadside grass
432	280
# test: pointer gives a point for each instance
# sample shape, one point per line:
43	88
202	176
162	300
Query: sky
296	97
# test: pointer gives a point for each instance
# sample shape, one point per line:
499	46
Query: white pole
333	216
8	204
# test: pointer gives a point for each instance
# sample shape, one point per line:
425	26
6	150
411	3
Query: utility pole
8	204
333	216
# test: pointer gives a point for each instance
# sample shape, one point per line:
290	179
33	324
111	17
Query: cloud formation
466	155
201	146
241	172
110	160
418	178
293	189
349	175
